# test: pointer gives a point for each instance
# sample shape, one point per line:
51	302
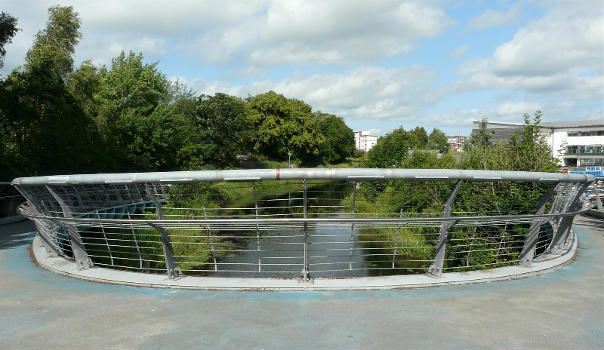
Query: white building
573	143
364	141
576	143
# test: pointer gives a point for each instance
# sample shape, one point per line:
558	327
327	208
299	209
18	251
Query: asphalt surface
563	309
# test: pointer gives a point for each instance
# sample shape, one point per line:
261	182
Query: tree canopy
390	150
527	149
284	125
437	140
221	130
8	29
339	138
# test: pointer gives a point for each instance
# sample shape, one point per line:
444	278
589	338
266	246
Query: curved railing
304	223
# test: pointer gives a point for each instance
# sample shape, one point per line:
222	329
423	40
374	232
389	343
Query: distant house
456	143
364	141
573	143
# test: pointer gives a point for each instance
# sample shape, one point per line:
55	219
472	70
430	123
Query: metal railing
304	222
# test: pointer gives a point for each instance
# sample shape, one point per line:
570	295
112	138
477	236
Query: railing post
257	228
354	205
77	245
50	244
205	215
305	274
398	239
530	243
436	269
566	221
598	199
171	266
140	256
98	215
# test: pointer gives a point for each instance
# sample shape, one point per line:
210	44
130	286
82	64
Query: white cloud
559	54
512	112
163	17
492	18
366	92
514	109
261	32
459	52
342	32
376	132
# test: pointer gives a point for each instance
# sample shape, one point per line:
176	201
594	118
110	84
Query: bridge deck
561	309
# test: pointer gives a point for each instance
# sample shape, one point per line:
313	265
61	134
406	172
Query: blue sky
378	64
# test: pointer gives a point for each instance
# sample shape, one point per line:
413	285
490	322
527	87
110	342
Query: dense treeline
526	150
127	116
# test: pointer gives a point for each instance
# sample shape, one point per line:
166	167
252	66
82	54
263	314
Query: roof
550	125
573	124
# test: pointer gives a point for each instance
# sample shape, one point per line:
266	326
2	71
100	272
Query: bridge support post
354	206
77	245
47	242
567	221
205	215
530	243
436	269
171	265
305	274
257	229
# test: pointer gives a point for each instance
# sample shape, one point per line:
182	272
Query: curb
104	275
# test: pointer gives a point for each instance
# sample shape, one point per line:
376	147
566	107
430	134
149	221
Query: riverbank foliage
469	247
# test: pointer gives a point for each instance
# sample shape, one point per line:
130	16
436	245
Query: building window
591	161
586	133
587	150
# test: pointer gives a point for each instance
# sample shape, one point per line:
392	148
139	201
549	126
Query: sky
379	64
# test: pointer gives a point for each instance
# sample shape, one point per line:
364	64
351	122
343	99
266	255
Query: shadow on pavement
589	221
17	234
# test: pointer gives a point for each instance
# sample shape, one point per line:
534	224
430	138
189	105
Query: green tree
83	84
44	126
390	150
438	140
418	138
482	137
8	29
283	125
57	41
423	159
526	150
339	138
221	130
136	116
128	87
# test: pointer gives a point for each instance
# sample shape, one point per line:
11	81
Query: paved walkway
563	309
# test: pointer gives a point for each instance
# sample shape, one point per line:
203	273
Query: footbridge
269	228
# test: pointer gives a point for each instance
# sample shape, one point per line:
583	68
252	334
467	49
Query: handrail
361	174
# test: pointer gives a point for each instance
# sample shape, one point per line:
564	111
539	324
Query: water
332	248
332	251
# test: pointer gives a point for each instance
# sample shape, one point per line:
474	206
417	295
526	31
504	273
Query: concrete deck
562	309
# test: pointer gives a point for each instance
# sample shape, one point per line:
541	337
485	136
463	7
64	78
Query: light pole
289	158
